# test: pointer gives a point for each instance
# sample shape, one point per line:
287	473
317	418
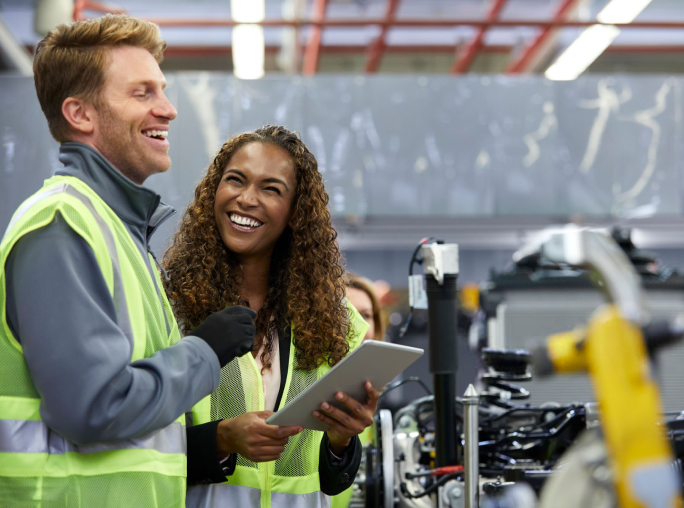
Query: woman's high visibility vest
292	480
38	467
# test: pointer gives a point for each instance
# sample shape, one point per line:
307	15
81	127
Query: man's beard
118	147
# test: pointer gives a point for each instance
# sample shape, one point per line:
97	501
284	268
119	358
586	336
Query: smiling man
94	378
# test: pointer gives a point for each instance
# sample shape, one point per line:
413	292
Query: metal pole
440	263
471	455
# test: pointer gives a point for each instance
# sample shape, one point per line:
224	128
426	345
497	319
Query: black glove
229	332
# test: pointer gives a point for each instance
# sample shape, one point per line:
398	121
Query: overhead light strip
593	41
248	44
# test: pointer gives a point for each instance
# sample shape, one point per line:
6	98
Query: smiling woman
218	259
258	233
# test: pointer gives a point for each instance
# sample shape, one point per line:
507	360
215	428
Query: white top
270	378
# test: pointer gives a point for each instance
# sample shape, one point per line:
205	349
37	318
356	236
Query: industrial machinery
537	297
505	447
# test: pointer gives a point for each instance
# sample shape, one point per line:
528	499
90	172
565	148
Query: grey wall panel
477	146
622	145
342	138
28	154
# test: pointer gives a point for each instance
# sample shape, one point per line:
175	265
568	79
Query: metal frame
522	62
525	60
467	56
376	49
313	47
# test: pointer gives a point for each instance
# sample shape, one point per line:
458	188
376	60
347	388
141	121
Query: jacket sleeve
60	310
337	475
203	464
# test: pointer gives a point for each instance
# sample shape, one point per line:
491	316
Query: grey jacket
59	308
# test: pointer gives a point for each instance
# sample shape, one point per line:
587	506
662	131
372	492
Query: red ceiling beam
226	51
467	56
80	6
413	23
377	47
522	62
314	45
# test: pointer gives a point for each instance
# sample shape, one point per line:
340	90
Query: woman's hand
253	438
343	426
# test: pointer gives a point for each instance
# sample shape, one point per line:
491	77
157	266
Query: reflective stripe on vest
224	494
33	436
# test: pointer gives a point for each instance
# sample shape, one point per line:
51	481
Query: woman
363	297
258	234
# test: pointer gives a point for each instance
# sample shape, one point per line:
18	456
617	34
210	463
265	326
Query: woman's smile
244	223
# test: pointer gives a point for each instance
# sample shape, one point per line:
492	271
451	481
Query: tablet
374	361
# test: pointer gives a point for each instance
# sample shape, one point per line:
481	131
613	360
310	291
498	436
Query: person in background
259	234
363	296
94	378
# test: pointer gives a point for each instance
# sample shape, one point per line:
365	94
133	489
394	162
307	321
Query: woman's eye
366	316
232	178
273	189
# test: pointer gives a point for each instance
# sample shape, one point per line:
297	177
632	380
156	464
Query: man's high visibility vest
38	467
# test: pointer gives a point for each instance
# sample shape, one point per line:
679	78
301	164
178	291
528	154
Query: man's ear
79	114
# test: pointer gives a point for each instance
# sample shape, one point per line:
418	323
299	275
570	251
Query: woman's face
254	199
364	305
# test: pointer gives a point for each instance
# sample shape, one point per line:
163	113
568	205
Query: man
93	377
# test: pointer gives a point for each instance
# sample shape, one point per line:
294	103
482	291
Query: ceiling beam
313	47
527	60
411	23
377	47
355	49
467	55
80	6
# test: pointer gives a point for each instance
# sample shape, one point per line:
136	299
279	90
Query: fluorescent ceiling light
582	52
247	11
248	40
593	41
248	51
622	11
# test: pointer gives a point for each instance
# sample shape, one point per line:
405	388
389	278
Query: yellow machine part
612	350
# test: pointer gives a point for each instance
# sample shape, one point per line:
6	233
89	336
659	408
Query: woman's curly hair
306	279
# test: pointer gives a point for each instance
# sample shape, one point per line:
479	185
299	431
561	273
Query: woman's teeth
244	221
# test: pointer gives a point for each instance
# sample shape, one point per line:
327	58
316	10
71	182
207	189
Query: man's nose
164	108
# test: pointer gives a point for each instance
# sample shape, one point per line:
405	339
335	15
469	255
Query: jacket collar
136	205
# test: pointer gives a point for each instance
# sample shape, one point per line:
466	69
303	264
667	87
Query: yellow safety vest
292	480
38	467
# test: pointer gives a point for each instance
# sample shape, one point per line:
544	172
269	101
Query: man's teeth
244	221
156	134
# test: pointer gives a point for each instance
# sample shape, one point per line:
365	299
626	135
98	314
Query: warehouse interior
536	147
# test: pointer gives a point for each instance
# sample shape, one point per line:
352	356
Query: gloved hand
229	332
